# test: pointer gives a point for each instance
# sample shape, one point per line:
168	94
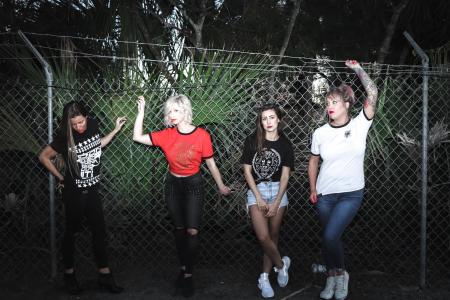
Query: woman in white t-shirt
338	189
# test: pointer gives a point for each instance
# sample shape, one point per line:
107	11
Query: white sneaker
328	292
341	290
264	286
283	275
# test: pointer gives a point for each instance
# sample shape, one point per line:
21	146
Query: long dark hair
260	133
71	110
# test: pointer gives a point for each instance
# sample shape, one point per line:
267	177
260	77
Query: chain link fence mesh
385	235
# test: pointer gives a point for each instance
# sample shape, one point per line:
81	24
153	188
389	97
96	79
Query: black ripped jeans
184	197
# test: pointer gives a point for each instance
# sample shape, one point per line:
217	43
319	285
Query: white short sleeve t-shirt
342	151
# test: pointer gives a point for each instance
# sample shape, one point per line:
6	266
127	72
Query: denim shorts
269	191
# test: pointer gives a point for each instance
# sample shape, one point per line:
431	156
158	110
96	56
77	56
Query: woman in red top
185	146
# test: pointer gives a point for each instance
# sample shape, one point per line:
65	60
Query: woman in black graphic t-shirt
80	145
268	160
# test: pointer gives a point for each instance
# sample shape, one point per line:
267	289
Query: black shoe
179	282
107	281
188	287
71	284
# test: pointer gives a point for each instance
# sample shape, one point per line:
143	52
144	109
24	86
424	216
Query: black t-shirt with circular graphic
88	149
267	165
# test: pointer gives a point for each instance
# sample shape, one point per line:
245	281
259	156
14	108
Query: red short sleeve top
184	151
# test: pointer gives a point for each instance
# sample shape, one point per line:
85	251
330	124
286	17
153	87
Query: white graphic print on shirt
88	157
266	163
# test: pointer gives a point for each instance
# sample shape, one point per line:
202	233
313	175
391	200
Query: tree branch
287	37
390	30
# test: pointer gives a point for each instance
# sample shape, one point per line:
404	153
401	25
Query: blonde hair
185	105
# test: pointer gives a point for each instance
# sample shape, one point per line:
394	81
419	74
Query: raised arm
137	130
224	190
107	138
369	86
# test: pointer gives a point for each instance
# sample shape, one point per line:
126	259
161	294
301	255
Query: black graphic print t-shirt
267	165
87	147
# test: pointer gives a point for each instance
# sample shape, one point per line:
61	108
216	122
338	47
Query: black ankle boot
179	282
107	281
188	287
71	284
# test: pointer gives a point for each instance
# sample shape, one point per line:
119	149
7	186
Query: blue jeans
336	211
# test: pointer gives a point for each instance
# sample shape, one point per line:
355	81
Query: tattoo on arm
369	86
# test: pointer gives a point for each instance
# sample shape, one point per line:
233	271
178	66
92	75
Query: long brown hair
71	110
260	133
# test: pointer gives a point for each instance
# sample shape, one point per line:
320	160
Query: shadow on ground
213	284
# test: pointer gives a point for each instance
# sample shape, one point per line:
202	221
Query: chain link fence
385	235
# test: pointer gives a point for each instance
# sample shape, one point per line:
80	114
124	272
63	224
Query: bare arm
45	157
224	190
313	170
370	87
107	138
285	173
252	185
138	123
284	179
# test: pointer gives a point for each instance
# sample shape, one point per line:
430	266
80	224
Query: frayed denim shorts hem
269	191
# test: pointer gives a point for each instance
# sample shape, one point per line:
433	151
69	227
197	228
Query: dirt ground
212	284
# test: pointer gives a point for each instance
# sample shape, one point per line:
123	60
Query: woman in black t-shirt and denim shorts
268	160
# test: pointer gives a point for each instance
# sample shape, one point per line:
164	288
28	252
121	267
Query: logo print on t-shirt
266	163
88	161
185	153
347	133
88	157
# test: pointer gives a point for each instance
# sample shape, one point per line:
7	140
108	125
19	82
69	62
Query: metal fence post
423	218
51	180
